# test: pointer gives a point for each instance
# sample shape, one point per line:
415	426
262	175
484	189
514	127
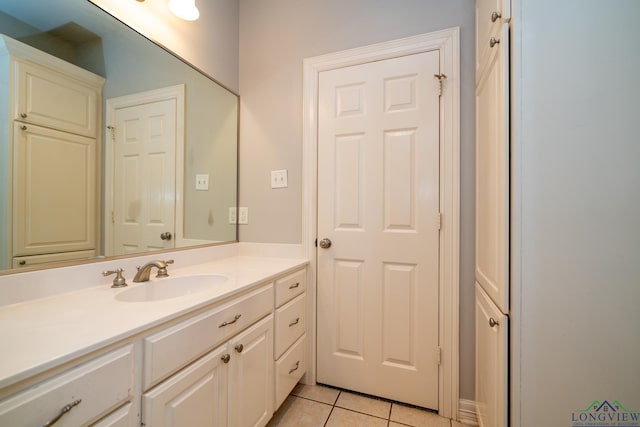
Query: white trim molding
467	412
447	42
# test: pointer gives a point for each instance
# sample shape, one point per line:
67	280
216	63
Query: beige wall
275	37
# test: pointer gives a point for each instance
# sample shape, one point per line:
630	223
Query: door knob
165	236
325	243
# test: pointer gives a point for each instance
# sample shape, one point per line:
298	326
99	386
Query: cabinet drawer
39	91
289	370
290	286
26	261
113	373
169	350
290	324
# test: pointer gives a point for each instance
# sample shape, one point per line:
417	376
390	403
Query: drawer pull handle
235	319
225	358
239	348
295	322
64	410
295	368
294	286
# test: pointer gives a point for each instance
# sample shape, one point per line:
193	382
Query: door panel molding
447	42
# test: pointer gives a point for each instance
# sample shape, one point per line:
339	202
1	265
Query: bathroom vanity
224	354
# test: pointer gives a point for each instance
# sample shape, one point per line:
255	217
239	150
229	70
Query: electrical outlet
279	179
202	182
233	217
243	216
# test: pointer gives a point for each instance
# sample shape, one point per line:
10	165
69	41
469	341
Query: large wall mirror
159	170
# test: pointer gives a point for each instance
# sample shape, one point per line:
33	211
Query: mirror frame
97	259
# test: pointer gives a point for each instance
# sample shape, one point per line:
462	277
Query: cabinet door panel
195	396
251	385
40	91
492	175
54	206
492	329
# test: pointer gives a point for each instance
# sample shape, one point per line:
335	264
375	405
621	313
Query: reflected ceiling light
185	9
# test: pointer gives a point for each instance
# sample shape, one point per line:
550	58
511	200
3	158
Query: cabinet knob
493	41
225	358
165	236
239	348
23	127
493	322
495	16
23	115
23	262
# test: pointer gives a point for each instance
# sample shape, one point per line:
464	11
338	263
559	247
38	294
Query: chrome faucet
143	272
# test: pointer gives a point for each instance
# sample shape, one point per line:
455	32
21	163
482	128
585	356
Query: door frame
176	93
447	42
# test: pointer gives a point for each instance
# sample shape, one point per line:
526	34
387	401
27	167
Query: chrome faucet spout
143	272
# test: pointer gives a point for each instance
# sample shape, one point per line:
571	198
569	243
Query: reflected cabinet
49	152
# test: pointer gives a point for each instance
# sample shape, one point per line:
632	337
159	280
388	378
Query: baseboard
467	412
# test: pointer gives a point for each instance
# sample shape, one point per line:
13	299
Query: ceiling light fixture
185	9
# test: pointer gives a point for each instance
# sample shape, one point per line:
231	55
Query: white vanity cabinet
210	364
290	337
231	385
92	390
49	157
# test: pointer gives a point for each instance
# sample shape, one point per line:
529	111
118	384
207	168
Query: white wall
577	214
275	37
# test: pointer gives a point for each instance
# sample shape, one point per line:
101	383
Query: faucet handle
119	281
162	272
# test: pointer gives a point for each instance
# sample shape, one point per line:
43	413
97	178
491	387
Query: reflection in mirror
109	144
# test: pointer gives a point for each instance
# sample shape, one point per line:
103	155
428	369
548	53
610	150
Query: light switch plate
279	179
233	217
202	182
243	215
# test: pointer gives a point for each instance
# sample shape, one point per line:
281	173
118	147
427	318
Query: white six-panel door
144	177
378	203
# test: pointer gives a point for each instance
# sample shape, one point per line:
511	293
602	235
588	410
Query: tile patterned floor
318	406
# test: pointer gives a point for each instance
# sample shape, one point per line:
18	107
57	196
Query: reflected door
378	203
144	177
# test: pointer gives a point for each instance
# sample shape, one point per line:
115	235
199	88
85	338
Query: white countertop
40	334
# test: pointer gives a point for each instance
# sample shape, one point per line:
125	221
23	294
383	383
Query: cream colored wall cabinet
49	156
492	211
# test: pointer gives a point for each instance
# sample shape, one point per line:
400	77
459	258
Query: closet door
54	207
492	172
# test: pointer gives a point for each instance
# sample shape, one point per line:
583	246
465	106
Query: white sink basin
170	287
